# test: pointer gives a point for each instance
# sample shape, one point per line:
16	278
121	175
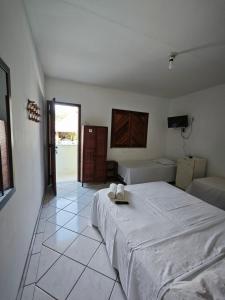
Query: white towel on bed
120	195
112	191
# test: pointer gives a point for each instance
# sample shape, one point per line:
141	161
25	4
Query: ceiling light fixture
171	60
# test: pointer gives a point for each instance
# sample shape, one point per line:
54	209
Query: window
129	129
6	169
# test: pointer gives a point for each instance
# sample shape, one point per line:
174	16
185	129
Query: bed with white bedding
139	171
209	189
166	244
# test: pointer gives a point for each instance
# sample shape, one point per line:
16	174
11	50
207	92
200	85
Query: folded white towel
120	195
112	191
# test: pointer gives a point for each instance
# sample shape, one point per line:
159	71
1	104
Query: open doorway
67	142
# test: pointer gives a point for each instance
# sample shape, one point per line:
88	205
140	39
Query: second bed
140	171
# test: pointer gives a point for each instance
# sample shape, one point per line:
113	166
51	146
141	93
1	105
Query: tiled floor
69	259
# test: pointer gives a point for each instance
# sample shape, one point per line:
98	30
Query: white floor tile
82	249
77	224
32	269
62	192
75	194
96	187
50	228
93	233
69	182
47	259
59	202
118	293
28	292
91	192
37	243
61	218
59	280
101	263
56	275
71	196
66	189
61	240
86	212
75	207
41	295
41	226
86	199
49	211
92	286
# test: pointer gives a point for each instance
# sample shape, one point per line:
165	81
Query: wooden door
51	145
88	153
101	153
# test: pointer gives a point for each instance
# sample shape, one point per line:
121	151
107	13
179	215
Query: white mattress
209	189
139	171
166	244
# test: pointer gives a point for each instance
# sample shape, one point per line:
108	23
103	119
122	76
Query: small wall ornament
33	111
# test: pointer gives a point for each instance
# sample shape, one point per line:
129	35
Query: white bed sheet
209	189
163	239
140	171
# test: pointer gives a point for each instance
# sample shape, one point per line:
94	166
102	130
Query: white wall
208	137
66	162
96	109
18	216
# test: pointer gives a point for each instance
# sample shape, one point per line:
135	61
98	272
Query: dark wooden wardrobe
93	153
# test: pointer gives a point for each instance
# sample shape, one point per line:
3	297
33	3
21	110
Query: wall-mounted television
178	122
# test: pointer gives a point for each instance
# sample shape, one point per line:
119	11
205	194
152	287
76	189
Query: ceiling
125	44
